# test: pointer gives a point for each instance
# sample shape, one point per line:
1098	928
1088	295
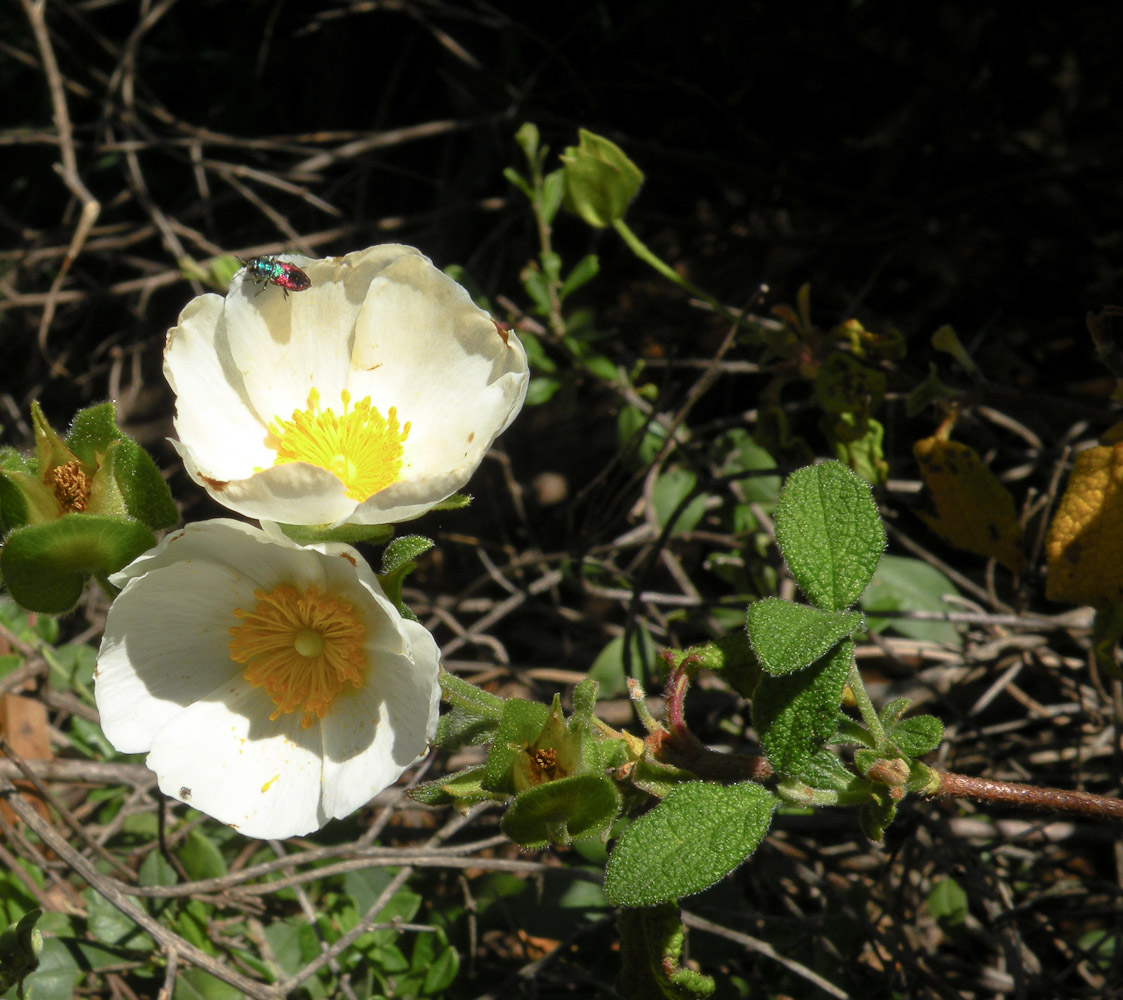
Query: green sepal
789	637
519	727
12	461
455	501
349	534
20	944
462	790
651	939
142	490
600	180
399	559
877	813
474	715
559	812
658	858
92	431
830	533
50	451
796	714
657	778
24	499
45	566
923	779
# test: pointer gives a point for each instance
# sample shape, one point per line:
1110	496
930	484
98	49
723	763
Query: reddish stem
962	786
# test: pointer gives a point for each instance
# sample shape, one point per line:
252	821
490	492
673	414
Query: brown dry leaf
1085	542
965	504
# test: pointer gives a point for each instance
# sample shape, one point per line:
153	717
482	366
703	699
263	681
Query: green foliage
902	584
20	945
45	566
617	662
830	533
600	180
789	637
947	902
651	939
561	811
696	835
795	714
399	559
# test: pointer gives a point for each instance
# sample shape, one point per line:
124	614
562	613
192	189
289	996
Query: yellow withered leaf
965	504
1085	541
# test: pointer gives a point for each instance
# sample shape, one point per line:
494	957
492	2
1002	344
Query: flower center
72	486
302	648
361	447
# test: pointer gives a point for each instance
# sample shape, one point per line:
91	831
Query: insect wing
291	277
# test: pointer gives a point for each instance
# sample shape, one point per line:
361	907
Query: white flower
274	687
367	398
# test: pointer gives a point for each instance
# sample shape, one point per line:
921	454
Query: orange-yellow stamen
72	486
362	447
301	647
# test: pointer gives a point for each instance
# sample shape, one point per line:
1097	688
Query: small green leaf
673	496
585	270
155	870
612	668
947	902
796	714
789	637
558	812
527	138
201	857
553	193
440	969
903	584
830	533
916	735
690	840
404	550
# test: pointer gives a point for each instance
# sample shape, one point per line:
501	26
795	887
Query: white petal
166	646
242	547
374	734
214	417
293	493
285	348
224	757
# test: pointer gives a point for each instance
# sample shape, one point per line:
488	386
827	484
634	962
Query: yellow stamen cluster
303	648
361	447
71	486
